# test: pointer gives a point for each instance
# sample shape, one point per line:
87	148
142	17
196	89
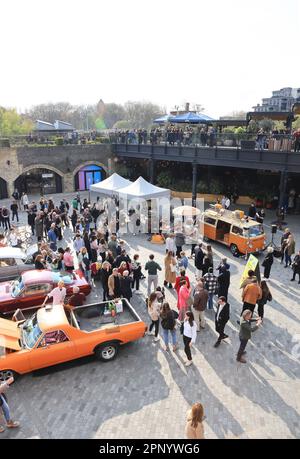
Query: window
53	337
210	221
8	262
31	332
36	289
254	231
237	230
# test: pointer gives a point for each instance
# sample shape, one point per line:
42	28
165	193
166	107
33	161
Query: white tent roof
111	185
143	189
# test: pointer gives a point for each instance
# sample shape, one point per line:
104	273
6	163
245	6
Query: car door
54	347
34	295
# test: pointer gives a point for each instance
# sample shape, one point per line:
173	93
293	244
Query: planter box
248	144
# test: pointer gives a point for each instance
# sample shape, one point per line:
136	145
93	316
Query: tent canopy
190	117
143	189
164	119
111	185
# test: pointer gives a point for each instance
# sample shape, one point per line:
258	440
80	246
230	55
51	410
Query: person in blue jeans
211	285
4	405
168	324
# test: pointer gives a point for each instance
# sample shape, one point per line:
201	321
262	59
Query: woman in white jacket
189	335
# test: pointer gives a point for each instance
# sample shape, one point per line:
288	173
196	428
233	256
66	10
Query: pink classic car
30	289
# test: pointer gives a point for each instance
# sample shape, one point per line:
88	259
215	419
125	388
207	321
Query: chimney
187	107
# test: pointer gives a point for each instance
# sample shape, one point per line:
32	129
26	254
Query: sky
225	55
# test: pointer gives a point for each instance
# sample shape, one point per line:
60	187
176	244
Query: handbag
173	268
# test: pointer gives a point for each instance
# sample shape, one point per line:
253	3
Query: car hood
10	334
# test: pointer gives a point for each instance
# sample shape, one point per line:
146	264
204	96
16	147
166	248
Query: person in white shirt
189	335
227	203
58	294
170	243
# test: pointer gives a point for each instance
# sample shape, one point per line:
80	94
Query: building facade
281	101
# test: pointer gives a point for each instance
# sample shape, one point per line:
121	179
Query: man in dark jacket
31	220
14	211
199	305
223	282
126	285
199	256
221	319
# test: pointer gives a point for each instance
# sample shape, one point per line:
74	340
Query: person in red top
179	279
297	140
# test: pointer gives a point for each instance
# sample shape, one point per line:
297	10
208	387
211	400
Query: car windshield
257	230
31	332
16	287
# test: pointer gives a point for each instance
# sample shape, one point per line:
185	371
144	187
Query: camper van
234	229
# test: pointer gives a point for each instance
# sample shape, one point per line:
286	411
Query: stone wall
64	160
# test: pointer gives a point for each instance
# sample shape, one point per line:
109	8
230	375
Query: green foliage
11	123
164	179
59	141
266	124
202	187
253	127
296	124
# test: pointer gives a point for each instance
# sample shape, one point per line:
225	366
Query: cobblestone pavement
145	392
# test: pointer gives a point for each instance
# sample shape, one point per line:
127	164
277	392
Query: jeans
87	275
15	214
187	348
242	347
210	301
5	409
288	260
165	334
152	278
154	323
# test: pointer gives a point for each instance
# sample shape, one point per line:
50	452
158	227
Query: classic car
56	334
13	261
30	289
233	229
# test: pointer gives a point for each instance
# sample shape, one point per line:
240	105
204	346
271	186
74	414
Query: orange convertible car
57	334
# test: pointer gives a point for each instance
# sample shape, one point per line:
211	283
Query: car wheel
107	351
6	374
234	250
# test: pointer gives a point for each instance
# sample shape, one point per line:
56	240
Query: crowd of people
204	136
102	256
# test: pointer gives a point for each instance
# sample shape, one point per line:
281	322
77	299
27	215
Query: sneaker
188	363
138	292
167	349
175	348
217	343
292	280
156	339
12	424
241	359
1	429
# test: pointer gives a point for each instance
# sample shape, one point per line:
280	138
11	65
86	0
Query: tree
11	123
266	124
122	124
112	114
141	114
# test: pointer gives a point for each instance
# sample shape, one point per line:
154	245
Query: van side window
209	220
237	230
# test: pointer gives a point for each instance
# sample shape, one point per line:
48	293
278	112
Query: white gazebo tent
111	185
141	189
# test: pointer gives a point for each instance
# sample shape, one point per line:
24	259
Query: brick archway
90	163
55	186
89	168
